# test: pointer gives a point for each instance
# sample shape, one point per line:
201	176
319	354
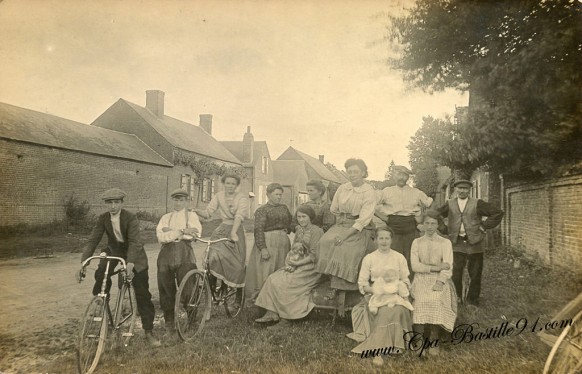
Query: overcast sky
310	74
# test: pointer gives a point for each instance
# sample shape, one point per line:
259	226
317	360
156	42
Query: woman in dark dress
272	223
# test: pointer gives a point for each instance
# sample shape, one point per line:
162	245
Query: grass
312	345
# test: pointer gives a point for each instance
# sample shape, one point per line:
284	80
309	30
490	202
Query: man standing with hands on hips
400	206
122	229
466	230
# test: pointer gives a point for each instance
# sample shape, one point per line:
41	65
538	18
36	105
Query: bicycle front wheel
193	304
92	335
125	315
566	354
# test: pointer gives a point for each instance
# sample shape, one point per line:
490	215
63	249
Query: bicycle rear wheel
193	304
566	354
125	315
92	335
232	306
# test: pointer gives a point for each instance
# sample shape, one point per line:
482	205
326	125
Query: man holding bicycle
122	229
175	232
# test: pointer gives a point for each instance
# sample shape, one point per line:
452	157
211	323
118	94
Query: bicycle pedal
97	319
127	334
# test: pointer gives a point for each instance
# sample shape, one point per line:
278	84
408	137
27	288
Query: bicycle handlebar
214	241
102	256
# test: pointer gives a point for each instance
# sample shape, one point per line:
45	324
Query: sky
308	74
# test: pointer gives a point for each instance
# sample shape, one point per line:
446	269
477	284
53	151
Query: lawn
312	345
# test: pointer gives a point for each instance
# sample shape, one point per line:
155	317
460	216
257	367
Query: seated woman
272	223
435	300
287	293
343	246
386	327
323	217
227	262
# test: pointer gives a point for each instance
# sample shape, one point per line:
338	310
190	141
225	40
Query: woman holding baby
287	293
383	316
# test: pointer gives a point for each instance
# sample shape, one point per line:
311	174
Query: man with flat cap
466	230
122	229
400	206
175	232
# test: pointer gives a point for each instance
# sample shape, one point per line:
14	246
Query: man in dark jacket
122	229
466	230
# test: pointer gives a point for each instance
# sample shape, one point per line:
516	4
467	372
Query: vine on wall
205	168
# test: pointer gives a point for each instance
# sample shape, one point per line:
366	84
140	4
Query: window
187	184
207	189
261	194
265	165
302	198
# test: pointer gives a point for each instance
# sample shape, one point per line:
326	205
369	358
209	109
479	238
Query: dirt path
42	302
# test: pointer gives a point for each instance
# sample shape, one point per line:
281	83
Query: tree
521	62
390	172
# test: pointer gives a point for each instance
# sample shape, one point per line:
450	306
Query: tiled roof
293	154
185	135
40	128
287	172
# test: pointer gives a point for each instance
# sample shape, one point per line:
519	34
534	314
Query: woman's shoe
378	361
268	317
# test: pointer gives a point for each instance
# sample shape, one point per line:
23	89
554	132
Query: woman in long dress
435	299
227	259
272	223
384	329
287	293
343	246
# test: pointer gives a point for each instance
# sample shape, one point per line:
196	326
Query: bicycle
195	298
98	318
566	353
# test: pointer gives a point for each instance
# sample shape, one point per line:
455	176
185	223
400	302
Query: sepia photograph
272	186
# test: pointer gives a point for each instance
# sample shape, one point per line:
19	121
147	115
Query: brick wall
37	179
546	219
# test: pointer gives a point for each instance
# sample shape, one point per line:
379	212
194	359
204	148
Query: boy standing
122	229
175	232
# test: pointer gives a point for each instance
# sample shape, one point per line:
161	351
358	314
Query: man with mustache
400	206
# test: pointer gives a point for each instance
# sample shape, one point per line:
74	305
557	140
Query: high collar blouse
356	201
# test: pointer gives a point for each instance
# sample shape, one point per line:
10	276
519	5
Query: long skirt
433	307
343	261
405	232
258	271
385	329
290	294
227	260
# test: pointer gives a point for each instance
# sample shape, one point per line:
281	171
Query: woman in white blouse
386	327
227	259
343	246
435	300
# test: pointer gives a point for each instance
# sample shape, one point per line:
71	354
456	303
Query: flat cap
463	181
113	194
179	192
402	169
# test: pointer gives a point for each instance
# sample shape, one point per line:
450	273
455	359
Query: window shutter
204	189
191	189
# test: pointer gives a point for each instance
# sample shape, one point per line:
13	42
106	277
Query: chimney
248	145
206	123
155	102
321	157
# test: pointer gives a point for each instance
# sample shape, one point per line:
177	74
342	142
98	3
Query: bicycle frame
206	267
124	278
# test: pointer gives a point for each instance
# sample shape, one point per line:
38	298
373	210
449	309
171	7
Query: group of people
336	243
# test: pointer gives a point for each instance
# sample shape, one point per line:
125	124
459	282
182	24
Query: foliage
143	215
76	211
389	173
204	168
521	63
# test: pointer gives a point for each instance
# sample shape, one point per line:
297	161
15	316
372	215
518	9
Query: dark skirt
227	260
